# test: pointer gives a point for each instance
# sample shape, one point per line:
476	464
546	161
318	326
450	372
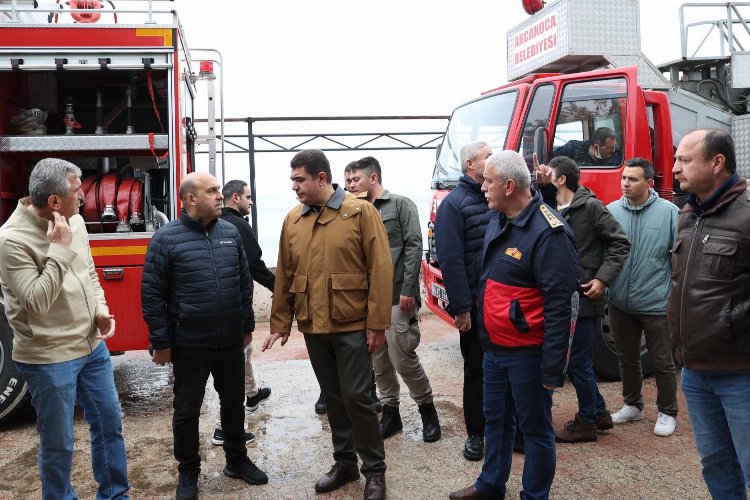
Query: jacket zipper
218	287
683	336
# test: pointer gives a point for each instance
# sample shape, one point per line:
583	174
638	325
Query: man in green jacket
638	297
401	220
56	308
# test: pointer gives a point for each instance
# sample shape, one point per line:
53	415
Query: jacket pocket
348	296
301	305
717	259
517	317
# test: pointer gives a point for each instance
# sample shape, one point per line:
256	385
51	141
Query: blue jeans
55	388
719	409
513	384
581	369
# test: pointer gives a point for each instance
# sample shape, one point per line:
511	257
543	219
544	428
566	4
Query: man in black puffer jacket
196	302
460	224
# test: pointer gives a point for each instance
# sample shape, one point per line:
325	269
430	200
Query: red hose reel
115	204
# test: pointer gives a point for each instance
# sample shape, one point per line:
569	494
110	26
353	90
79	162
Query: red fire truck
571	73
111	90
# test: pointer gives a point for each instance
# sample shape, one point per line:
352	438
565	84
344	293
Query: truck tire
606	362
14	392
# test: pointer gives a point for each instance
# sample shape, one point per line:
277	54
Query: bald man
196	296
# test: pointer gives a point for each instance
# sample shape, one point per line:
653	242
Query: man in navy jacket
460	224
196	301
527	300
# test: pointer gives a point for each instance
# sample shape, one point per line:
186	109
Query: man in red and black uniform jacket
527	301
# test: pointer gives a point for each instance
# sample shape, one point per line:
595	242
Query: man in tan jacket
56	308
335	276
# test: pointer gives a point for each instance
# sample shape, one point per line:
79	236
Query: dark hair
369	164
718	142
567	167
352	166
602	134
648	169
313	161
235	186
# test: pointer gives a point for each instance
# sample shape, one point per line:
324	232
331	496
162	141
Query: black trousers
473	355
191	368
344	371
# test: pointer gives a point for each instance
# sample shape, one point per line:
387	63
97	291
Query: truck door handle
113	273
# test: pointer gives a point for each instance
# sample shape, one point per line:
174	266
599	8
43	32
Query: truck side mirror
540	145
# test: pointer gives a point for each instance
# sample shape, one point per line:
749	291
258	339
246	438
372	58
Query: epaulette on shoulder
551	218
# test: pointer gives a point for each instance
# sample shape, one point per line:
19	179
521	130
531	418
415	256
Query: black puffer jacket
460	224
196	287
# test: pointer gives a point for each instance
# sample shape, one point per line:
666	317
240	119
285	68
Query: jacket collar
195	224
386	195
652	196
29	216
334	202
469	184
581	195
527	212
727	192
230	211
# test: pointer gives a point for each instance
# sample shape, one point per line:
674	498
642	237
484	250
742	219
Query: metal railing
724	27
380	140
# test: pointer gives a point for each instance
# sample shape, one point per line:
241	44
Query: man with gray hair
527	299
460	224
56	308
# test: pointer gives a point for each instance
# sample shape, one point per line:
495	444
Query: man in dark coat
196	301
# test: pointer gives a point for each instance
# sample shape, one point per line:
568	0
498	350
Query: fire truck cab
570	75
111	90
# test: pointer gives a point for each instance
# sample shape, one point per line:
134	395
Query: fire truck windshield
486	119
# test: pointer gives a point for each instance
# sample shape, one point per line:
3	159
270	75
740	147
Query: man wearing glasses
600	151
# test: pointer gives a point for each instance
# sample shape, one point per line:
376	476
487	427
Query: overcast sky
361	57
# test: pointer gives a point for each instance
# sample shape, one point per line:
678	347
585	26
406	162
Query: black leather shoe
320	406
474	448
337	477
187	485
430	423
247	471
390	422
469	493
375	487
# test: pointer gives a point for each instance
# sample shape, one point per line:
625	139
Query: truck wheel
606	363
14	392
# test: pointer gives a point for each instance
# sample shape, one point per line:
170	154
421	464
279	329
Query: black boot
430	423
390	422
375	401
320	406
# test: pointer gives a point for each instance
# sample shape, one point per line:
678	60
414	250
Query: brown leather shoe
337	477
466	494
375	487
577	431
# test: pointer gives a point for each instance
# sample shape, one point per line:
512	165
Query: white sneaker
627	414
665	425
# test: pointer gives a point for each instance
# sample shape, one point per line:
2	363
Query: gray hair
510	165
50	176
470	151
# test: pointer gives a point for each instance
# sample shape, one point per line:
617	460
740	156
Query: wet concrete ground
293	443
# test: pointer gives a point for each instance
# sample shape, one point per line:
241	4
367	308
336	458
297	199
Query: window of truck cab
486	119
585	108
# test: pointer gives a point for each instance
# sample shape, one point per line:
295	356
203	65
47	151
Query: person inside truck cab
599	151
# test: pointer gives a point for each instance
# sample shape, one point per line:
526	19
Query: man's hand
543	172
162	356
59	231
106	325
273	338
247	339
463	321
407	303
595	288
375	339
